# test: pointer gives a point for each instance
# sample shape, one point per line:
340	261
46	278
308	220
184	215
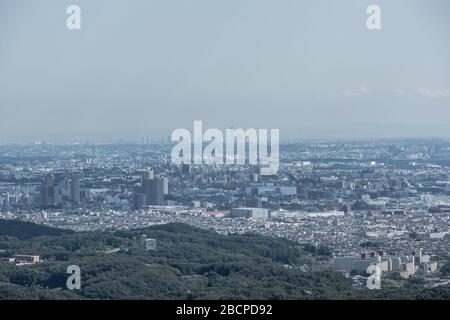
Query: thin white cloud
361	91
433	93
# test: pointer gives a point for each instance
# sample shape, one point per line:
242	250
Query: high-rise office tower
166	186
138	199
151	191
75	189
57	194
47	191
154	192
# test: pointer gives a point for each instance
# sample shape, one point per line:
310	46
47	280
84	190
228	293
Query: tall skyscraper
47	191
138	199
150	192
154	192
54	192
166	186
75	189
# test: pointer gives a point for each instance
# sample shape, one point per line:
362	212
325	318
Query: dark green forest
189	263
25	231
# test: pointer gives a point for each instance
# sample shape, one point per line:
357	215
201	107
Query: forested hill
188	263
25	230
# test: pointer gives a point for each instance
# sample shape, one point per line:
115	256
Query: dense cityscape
385	202
212	158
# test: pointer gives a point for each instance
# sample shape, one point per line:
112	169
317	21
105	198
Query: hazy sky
140	68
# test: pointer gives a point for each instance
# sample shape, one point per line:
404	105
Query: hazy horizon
309	68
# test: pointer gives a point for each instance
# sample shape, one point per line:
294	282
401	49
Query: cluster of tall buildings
62	190
53	191
150	191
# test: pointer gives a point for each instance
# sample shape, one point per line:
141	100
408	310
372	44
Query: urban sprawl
382	202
